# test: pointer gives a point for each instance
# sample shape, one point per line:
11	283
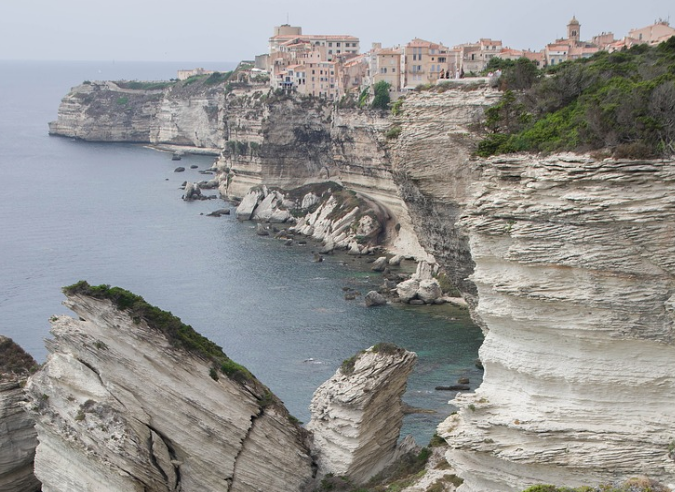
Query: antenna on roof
288	19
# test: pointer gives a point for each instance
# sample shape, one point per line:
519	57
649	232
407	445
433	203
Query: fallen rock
192	192
454	387
396	260
379	264
429	290
374	298
179	169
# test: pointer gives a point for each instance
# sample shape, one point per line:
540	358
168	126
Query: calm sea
112	214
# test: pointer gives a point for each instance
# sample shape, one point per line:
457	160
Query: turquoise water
112	213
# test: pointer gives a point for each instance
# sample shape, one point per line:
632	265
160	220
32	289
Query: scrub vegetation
622	102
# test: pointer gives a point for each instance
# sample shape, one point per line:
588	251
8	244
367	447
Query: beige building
535	56
424	62
384	64
475	56
571	48
656	33
309	64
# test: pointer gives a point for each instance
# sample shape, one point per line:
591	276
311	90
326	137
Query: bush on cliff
14	360
621	100
381	99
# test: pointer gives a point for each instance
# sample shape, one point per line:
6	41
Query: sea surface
113	214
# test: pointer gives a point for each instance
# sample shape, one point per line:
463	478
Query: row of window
347	45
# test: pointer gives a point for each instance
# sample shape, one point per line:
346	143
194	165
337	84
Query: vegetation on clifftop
635	484
178	333
622	101
14	361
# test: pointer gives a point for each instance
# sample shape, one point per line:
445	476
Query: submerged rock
192	192
358	413
374	298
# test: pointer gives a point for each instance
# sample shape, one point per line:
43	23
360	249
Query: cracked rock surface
118	408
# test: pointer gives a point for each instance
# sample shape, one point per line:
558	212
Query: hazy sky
227	30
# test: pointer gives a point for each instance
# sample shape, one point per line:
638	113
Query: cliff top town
331	66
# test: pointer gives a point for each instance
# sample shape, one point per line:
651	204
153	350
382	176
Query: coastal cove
111	213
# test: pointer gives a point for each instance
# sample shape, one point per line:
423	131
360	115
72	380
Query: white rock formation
421	285
357	414
18	438
119	407
575	269
339	226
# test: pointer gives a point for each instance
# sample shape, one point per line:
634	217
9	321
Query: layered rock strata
183	115
575	275
18	438
357	414
432	165
119	407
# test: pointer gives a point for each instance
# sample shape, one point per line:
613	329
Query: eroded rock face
357	414
575	274
119	407
433	168
18	438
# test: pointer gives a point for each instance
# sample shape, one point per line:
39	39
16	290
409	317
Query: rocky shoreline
565	261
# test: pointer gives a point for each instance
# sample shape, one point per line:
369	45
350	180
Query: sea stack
357	414
130	398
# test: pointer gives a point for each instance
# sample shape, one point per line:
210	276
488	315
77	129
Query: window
337	44
330	44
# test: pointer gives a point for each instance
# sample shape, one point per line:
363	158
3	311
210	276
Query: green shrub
623	101
347	366
394	132
397	107
381	99
122	100
386	348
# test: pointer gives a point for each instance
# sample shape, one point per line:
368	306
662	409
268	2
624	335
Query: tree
381	99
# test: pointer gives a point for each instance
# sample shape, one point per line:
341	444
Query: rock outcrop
565	261
357	414
18	438
433	168
131	399
575	275
421	286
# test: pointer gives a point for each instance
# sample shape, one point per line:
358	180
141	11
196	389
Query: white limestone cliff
18	438
575	273
119	407
357	414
